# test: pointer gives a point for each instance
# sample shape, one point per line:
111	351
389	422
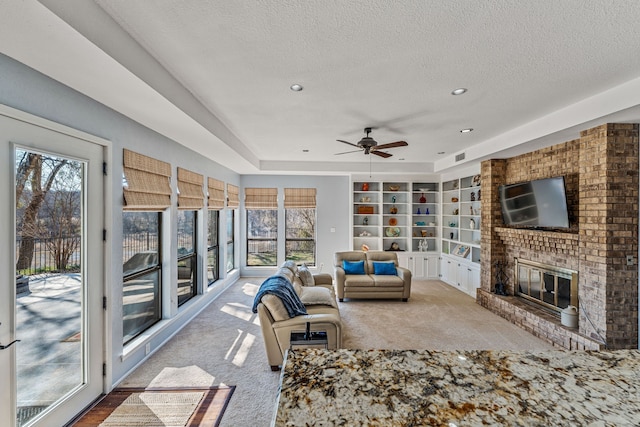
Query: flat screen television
539	203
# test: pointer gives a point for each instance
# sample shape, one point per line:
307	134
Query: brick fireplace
601	178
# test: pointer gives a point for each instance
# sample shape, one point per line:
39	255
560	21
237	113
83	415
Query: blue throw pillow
353	267
384	268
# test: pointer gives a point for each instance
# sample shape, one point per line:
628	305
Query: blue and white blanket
282	288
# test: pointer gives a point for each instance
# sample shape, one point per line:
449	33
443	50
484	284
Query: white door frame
98	346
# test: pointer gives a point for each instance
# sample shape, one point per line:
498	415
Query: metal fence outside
44	258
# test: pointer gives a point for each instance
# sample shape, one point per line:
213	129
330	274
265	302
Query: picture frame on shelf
461	251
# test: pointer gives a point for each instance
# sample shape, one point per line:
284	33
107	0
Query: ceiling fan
370	146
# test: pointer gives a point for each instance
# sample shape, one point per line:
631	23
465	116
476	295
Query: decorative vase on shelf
365	220
423	199
472	224
472	196
426	211
393	209
418	212
393	199
365	186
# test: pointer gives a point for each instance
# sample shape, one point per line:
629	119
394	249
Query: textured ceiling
535	71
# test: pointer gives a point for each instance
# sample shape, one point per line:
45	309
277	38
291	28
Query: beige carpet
223	344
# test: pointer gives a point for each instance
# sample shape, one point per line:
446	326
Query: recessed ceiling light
458	91
296	87
305	150
440	152
402	158
467	130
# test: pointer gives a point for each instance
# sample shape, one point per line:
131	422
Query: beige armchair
322	314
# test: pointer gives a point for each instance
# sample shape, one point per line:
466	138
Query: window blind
147	183
233	196
190	195
216	194
261	198
299	198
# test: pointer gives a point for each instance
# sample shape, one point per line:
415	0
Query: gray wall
332	212
27	90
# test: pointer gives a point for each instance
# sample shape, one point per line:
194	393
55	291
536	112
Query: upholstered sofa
355	275
318	297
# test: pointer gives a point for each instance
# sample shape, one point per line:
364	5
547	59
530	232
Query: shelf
461	208
404	198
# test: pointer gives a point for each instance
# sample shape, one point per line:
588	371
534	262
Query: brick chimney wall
601	178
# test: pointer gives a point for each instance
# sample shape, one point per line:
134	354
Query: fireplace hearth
554	288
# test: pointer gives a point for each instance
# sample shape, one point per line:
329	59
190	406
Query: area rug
159	407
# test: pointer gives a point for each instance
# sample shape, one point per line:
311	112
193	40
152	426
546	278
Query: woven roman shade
147	185
233	196
299	198
190	195
216	194
261	198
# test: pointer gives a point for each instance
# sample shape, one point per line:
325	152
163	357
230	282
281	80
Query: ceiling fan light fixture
459	91
296	87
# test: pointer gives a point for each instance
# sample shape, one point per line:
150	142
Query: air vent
459	157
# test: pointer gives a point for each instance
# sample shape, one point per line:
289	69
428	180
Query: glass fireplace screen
550	286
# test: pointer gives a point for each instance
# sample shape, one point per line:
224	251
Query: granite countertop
463	388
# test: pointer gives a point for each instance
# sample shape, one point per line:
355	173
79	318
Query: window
187	256
231	264
233	201
142	272
300	240
190	198
300	225
215	202
262	226
262	237
213	247
147	192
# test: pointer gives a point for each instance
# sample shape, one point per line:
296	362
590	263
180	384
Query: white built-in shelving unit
460	260
399	215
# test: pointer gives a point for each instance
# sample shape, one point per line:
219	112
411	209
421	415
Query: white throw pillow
305	275
291	265
317	295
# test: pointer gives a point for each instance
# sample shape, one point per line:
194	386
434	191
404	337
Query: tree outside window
300	241
262	237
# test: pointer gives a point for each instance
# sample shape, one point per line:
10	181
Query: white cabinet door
463	273
452	272
418	267
468	278
431	264
474	280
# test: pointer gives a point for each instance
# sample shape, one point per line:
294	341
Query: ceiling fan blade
346	142
347	152
381	153
392	145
